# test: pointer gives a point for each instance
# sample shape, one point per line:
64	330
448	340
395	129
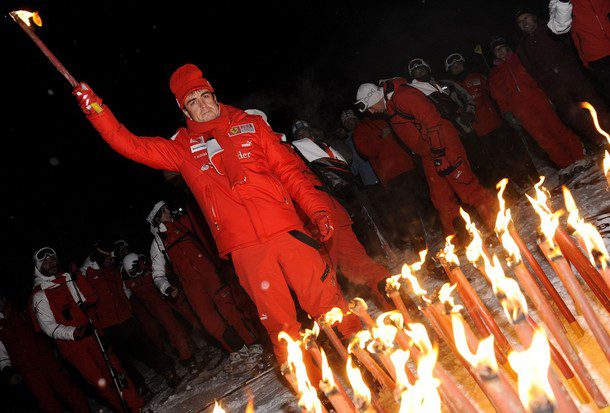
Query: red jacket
509	83
240	174
487	118
591	28
373	139
112	304
144	288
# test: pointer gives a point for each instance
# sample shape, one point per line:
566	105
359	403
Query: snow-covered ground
270	395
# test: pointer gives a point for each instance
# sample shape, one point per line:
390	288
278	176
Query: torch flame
417	289
386	329
360	339
548	221
506	289
250	405
335	315
532	368
327	373
416	266
502	222
308	396
311	334
606	163
448	253
399	360
393	318
475	248
593	241
445	296
591	109
25	16
393	282
217	408
361	391
484	360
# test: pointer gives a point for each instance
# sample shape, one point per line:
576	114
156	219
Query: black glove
171	292
83	331
10	375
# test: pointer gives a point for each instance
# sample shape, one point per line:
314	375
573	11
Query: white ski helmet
417	62
42	254
453	58
151	216
130	261
368	94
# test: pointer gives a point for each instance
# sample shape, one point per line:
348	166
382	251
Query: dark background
63	186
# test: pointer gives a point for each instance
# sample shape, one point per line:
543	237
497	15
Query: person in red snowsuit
64	308
24	353
119	325
498	151
138	280
175	243
516	92
417	122
243	180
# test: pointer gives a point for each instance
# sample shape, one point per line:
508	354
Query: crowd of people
274	220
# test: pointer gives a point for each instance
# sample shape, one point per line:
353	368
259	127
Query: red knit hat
186	79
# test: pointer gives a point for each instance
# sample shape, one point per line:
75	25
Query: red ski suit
112	303
373	139
54	303
144	289
591	29
243	180
30	356
514	90
487	118
209	298
418	123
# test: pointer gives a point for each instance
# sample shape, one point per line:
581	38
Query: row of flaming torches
388	342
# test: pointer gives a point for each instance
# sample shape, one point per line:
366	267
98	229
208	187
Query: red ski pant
542	123
460	184
150	326
268	271
349	256
87	358
182	307
49	384
209	299
159	312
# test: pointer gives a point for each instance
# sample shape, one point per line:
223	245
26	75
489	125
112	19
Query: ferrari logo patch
239	129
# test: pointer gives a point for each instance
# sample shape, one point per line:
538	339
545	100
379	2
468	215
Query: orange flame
474	250
250	405
399	360
594	243
361	391
448	253
393	318
311	334
484	360
308	396
335	315
218	408
502	222
548	221
327	373
25	16
606	163
445	296
417	289
416	266
591	109
532	368
386	329
506	289
393	282
360	340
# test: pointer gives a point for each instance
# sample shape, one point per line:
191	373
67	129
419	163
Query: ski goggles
44	253
415	63
453	58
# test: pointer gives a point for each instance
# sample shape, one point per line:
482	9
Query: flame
363	303
361	392
25	17
417	289
484	360
423	395
416	266
393	282
311	334
360	339
327	373
335	315
386	329
446	298
448	253
250	405
474	250
594	243
308	396
532	368
506	289
217	408
502	222
591	109
548	221
399	360
606	163
392	318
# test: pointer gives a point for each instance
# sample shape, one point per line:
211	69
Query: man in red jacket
243	180
418	124
516	92
25	356
64	309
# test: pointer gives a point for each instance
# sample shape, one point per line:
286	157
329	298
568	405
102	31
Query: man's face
527	22
201	106
350	123
420	72
378	107
456	68
50	266
166	215
501	51
303	133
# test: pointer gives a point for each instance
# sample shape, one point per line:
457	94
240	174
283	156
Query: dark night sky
306	62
